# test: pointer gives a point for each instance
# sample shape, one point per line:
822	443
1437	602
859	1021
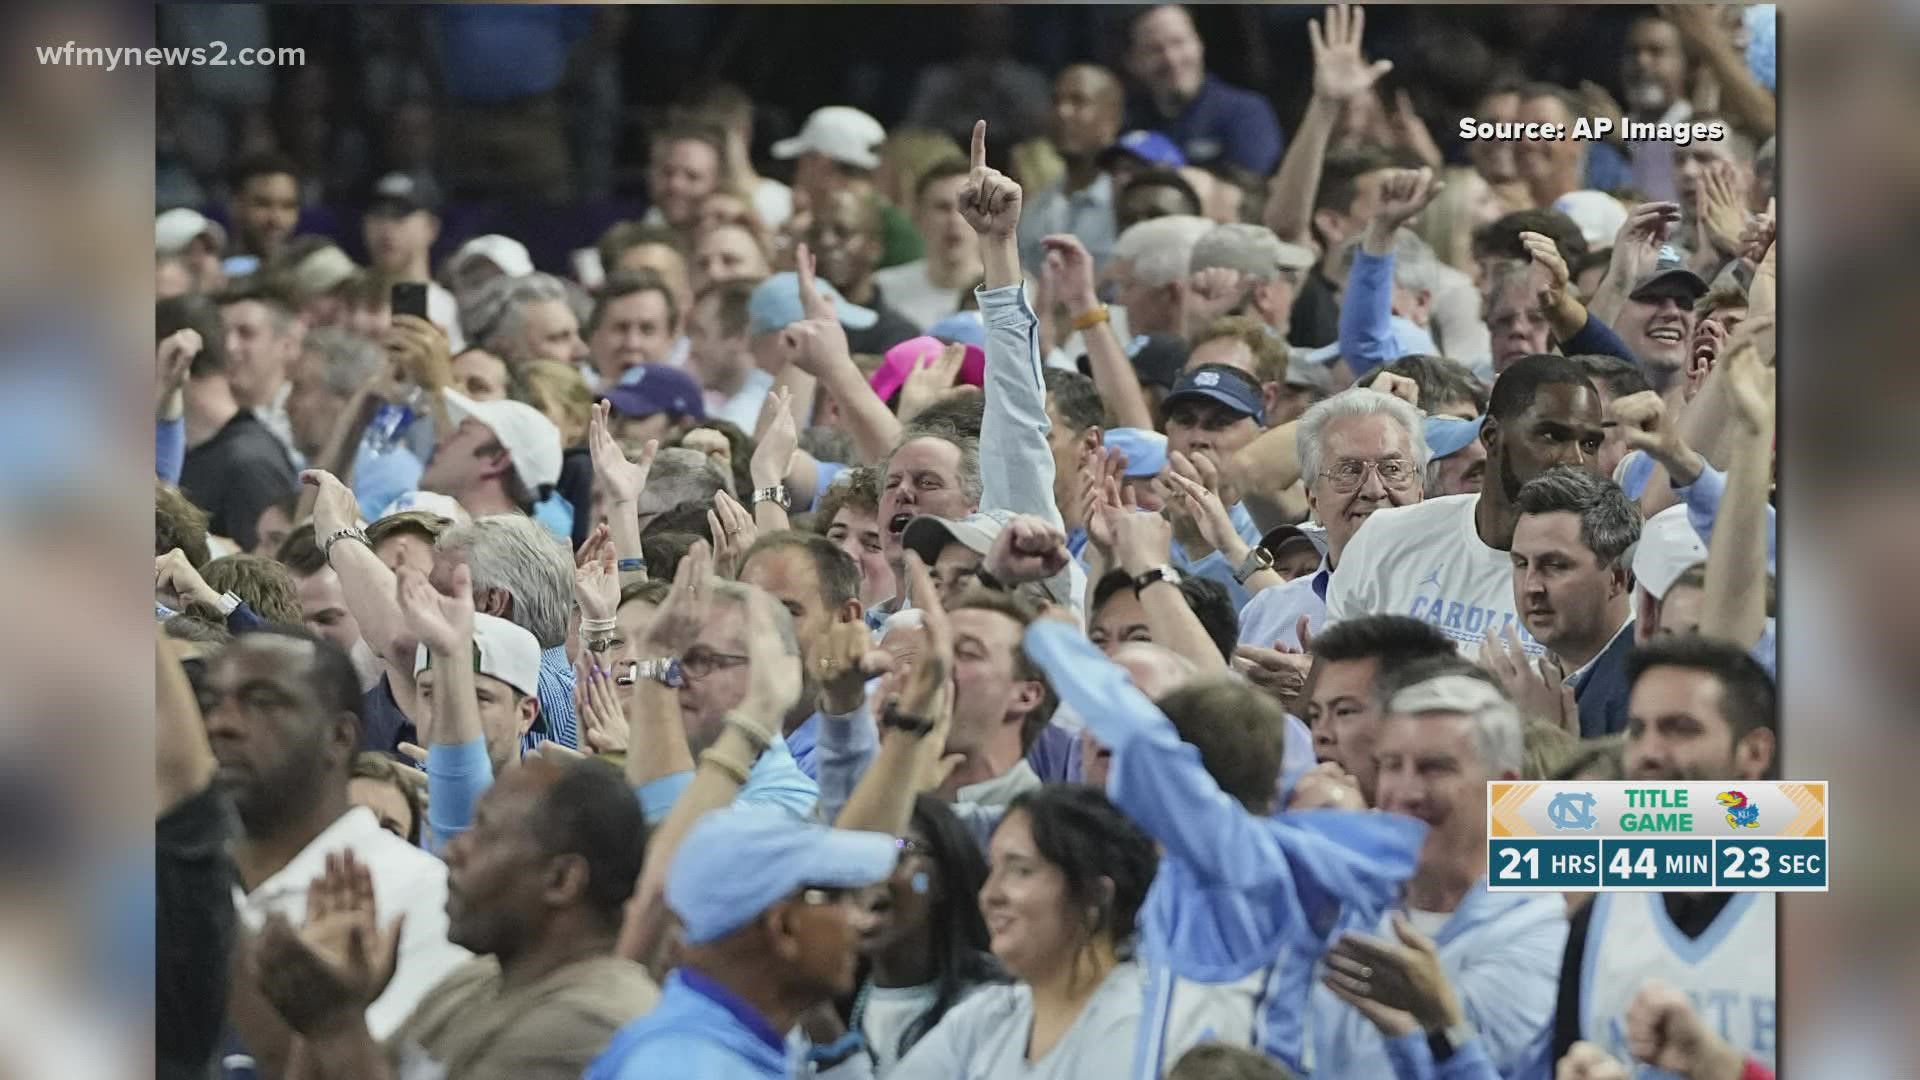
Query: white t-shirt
909	291
743	407
890	1011
1428	561
406	881
443	311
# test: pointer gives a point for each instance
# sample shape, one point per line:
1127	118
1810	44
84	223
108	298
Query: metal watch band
777	494
1257	560
353	533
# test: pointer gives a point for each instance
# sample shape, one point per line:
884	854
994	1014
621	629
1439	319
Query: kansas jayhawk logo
1740	813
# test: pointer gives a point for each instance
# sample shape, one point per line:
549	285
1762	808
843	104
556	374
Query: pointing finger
980	144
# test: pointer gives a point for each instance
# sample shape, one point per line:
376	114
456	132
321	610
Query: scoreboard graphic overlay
1680	836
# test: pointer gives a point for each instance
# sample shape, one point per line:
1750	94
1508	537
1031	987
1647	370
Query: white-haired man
1360	450
1443	740
1151	264
523	319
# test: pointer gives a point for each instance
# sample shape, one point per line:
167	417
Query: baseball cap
398	194
1448	693
505	252
1253	250
1668	547
775	305
1302	371
926	535
919	352
1669	271
1157	359
321	272
1406	337
656	388
1279	538
1149	146
175	229
431	502
502	649
965	327
527	435
1146	450
1228	386
1448	435
844	134
739	861
1598	214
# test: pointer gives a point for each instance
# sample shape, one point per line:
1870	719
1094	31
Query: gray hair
1609	521
1498	736
681	477
518	556
1160	251
1353	402
496	310
350	360
969	447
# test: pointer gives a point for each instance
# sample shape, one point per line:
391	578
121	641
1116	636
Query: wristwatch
1257	560
1448	1040
664	670
893	717
776	494
1160	573
350	533
228	603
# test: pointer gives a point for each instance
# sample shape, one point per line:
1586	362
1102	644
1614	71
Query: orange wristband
1089	319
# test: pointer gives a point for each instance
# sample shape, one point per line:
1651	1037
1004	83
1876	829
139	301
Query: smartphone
410	298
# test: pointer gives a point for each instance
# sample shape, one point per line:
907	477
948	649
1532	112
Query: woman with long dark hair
926	945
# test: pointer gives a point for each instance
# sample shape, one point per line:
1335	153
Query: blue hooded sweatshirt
700	1028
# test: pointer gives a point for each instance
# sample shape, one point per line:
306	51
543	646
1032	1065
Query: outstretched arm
1340	73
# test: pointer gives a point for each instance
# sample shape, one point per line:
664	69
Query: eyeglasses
1346	477
909	846
701	663
826	896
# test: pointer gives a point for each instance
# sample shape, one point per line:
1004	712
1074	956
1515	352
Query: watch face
674	676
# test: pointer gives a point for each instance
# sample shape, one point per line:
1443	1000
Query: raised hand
172	360
334	508
1327	786
989	200
1751	382
773	455
1664	1031
1278	672
1403	194
1585	1061
733	533
1553	269
596	584
927	381
622	480
773	673
421	350
842	661
1538	691
596	698
1720	208
1070	268
928	689
1140	541
326	973
812	301
1405	975
1636	246
676	626
1028	549
444	624
1340	70
1644	425
1399	386
1195	483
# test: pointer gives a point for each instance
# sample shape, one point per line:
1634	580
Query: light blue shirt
1214	566
1702	499
1237	892
1501	951
1370	333
1272	617
774	781
1016	465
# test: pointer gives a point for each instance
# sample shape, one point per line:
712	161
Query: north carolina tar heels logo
1741	814
1207	378
1572	810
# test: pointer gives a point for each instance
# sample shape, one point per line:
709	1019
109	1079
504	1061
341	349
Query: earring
920	883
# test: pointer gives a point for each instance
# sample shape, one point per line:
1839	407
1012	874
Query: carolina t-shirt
1428	561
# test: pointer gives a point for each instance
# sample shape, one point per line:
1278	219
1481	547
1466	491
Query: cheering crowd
932	621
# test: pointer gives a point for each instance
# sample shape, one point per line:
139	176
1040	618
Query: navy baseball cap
656	388
1669	273
1216	382
1149	146
739	861
398	194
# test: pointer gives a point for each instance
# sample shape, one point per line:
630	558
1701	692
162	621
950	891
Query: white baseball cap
1598	214
1668	547
507	651
175	229
530	437
505	252
844	134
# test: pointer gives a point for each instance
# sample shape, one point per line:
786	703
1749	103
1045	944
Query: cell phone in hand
410	298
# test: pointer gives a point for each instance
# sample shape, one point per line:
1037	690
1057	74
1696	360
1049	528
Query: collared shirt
557	720
1222	122
406	881
1001	790
1272	618
742	408
1087	214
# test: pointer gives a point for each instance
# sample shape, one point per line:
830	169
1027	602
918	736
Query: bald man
1088	107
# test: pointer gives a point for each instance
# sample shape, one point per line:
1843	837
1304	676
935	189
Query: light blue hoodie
699	1029
1237	893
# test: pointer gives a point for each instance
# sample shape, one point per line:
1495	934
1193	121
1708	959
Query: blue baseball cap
775	305
964	327
1448	435
1151	147
1670	274
649	389
1228	386
739	861
1146	450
